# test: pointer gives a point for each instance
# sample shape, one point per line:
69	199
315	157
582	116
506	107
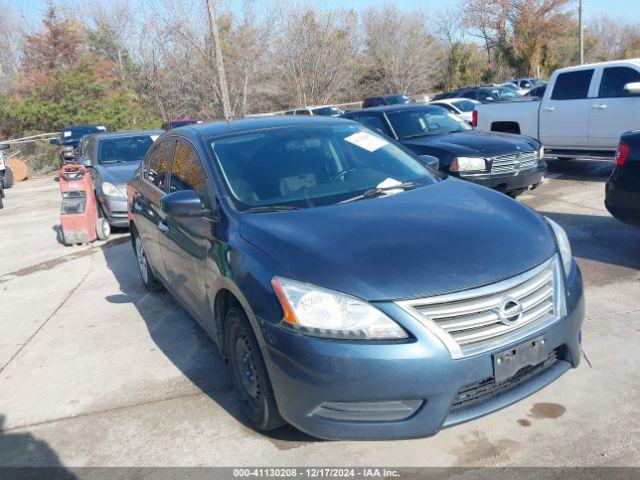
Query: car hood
447	236
117	173
475	143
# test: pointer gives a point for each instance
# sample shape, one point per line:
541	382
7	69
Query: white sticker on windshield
154	137
66	134
367	141
102	128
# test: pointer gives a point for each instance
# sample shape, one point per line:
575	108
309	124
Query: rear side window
471	94
572	85
614	79
187	171
375	122
156	164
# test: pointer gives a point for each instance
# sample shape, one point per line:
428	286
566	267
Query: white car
583	111
463	107
324	110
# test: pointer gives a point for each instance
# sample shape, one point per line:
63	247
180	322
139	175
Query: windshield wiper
272	208
377	191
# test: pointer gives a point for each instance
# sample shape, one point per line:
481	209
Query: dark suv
354	292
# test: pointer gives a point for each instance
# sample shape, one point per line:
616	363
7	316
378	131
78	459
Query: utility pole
581	27
222	78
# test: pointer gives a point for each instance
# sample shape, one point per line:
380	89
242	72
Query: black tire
1	197
103	229
249	374
151	283
8	177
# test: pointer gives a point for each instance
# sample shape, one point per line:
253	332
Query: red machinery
79	217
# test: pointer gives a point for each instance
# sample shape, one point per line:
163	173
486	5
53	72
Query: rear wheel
150	281
249	373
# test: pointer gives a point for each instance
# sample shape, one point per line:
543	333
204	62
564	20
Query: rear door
564	113
186	241
146	202
613	112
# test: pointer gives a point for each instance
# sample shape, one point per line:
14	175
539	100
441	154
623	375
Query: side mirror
54	141
4	146
430	161
632	88
185	203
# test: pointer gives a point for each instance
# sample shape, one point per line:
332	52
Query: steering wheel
342	174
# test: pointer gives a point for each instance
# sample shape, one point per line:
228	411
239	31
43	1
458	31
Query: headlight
541	153
324	313
563	245
468	164
110	190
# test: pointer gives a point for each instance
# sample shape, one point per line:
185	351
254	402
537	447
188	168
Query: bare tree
317	54
399	49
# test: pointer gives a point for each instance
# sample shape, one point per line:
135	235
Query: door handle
550	109
163	227
599	106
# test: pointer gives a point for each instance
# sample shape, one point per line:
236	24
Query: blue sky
627	10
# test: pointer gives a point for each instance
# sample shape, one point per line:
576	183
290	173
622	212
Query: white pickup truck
583	112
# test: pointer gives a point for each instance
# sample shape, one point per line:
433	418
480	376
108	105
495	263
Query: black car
506	162
622	192
70	137
537	91
392	99
481	94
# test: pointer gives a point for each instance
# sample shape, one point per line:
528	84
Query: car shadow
184	342
601	238
582	170
22	455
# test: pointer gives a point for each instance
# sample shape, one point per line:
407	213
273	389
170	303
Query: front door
187	241
613	112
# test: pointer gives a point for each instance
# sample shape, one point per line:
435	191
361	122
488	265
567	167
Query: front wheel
8	177
249	373
149	279
103	229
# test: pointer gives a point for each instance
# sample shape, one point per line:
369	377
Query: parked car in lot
509	163
70	136
481	94
323	110
622	192
391	99
583	112
180	122
3	166
537	92
463	107
112	159
6	175
355	293
527	84
510	87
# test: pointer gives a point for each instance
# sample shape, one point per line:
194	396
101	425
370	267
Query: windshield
503	93
393	99
124	149
311	166
465	105
328	111
429	121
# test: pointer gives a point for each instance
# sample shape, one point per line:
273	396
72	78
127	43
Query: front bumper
508	182
319	383
115	210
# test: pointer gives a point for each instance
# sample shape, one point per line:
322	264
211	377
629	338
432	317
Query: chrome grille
469	322
515	162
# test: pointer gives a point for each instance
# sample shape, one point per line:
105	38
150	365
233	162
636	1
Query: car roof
395	108
614	63
81	127
386	95
453	99
126	133
253	124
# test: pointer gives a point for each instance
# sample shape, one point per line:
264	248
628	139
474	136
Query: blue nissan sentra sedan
355	292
